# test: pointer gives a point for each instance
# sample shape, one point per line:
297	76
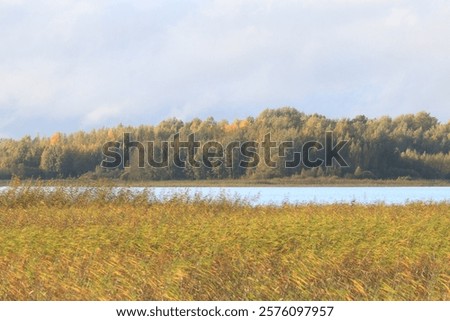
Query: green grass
64	245
285	181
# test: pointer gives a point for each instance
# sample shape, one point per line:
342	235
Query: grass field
284	181
63	245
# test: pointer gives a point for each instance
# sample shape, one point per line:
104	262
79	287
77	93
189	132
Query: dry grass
96	245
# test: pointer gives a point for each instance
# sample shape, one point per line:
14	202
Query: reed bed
102	244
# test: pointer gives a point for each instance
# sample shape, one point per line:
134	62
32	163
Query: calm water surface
298	195
321	195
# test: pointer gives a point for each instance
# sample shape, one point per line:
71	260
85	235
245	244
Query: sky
73	65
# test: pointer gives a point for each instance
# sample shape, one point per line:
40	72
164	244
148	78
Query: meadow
241	182
65	244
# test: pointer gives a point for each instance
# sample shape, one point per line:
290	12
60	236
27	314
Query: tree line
408	146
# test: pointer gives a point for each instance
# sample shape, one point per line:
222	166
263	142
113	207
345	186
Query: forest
410	146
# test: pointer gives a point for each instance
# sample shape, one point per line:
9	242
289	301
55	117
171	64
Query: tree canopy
413	146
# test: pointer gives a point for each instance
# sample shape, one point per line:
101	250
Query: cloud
101	115
97	63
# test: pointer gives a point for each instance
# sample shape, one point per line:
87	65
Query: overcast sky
71	65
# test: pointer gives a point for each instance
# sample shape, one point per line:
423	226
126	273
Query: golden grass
95	245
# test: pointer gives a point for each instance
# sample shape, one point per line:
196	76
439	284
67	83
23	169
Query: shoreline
274	182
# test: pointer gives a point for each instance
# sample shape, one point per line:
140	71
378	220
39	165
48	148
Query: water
319	195
299	195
